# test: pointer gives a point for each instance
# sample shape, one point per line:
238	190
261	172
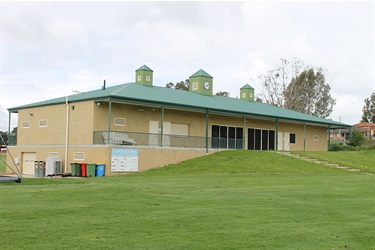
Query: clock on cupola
247	93
201	82
143	76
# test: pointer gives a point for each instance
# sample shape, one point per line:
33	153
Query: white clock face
206	85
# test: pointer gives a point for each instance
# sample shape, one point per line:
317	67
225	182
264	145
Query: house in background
340	135
366	128
137	126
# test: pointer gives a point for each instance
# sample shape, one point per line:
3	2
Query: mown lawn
364	160
229	200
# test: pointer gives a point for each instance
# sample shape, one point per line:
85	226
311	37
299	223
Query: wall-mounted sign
124	160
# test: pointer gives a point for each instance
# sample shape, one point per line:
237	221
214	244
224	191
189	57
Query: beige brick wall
316	138
87	117
148	157
54	133
80	125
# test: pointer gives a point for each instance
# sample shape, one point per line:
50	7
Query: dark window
232	137
271	140
223	137
258	139
261	139
215	136
292	138
251	139
239	137
226	137
264	139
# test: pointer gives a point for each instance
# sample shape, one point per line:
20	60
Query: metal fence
148	139
12	140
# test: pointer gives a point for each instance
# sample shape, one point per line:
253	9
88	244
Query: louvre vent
120	121
26	124
43	123
79	156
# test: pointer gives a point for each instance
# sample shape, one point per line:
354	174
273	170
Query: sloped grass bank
229	200
2	164
363	160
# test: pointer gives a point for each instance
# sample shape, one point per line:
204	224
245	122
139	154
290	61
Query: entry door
28	163
283	141
280	142
167	129
286	141
154	131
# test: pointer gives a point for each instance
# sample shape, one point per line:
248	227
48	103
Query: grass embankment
2	164
363	160
229	200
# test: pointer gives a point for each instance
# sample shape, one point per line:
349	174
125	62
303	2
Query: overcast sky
49	49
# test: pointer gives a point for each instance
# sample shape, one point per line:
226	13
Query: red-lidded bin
83	169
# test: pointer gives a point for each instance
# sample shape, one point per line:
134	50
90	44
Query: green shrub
336	146
367	147
342	147
356	139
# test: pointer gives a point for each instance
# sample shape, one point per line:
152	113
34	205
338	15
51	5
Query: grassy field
229	200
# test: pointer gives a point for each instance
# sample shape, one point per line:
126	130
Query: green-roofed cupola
144	76
201	82
247	93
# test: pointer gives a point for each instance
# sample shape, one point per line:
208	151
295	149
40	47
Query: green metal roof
201	72
247	86
167	97
144	67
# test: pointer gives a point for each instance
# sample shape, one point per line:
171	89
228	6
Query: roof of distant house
365	126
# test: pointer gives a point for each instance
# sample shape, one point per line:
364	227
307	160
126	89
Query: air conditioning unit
53	165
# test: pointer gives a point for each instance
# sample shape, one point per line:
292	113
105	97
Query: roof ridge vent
144	75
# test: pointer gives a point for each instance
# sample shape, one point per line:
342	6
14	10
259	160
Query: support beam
277	134
304	137
244	133
162	126
207	116
109	121
329	137
9	118
66	135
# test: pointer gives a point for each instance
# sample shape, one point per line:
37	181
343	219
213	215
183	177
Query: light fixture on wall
98	104
140	110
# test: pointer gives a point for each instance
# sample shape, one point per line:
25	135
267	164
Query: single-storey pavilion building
137	126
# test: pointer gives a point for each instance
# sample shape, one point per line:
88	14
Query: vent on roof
247	93
201	83
144	75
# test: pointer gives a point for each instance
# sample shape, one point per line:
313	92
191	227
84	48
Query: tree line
294	85
184	85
